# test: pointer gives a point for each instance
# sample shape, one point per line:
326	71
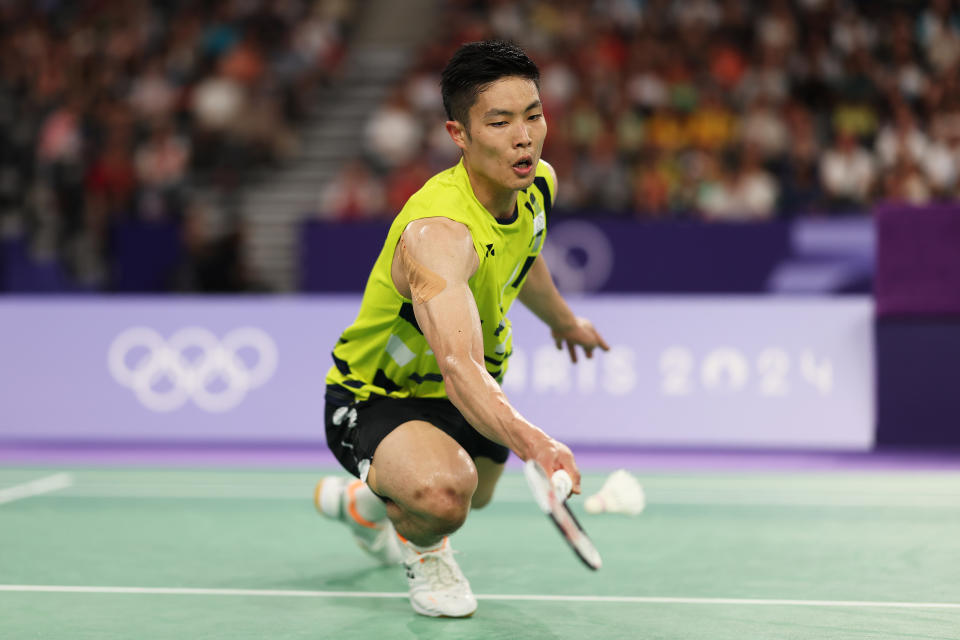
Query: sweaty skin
424	283
508	126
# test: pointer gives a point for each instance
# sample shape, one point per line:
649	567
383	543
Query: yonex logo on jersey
490	251
192	365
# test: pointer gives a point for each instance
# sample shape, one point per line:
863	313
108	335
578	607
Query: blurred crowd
707	109
117	113
114	112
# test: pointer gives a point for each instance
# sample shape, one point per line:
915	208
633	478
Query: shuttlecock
621	493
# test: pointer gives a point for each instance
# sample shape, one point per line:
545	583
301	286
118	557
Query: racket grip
562	484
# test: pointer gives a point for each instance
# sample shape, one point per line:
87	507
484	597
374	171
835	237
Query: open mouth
523	167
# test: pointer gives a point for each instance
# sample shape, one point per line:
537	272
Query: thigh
417	458
488	473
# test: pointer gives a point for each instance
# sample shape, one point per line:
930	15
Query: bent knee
446	507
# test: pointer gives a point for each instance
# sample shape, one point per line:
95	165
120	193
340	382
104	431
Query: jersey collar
461	170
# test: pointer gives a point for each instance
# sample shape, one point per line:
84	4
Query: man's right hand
553	455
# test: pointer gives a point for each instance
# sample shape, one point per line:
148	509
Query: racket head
554	506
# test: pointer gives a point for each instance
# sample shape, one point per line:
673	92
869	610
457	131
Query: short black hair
474	67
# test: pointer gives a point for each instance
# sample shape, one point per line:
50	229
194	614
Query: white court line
282	593
36	487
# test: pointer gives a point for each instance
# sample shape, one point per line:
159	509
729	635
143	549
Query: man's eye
498	124
536	116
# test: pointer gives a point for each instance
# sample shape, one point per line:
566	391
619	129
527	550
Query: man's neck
500	203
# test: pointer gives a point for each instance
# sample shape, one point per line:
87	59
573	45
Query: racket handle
562	484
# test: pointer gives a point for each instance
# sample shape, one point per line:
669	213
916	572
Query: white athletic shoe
333	497
437	586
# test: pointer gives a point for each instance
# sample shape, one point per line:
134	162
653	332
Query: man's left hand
583	334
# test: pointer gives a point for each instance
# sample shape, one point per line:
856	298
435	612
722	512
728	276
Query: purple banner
609	255
167	368
918	261
732	372
743	372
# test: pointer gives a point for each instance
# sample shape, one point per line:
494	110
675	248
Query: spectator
741	189
60	152
404	182
111	179
218	102
938	31
652	187
756	189
716	196
394	135
712	124
629	129
800	191
605	185
848	173
905	183
161	165
354	195
901	140
764	129
152	95
908	77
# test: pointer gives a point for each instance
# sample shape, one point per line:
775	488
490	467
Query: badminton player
414	407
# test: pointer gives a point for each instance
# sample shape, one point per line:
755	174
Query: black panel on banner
918	404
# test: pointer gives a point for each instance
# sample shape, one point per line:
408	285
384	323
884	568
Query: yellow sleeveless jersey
384	352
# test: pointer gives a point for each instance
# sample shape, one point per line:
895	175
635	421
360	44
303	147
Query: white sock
365	503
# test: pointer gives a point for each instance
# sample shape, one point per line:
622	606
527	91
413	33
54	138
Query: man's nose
524	139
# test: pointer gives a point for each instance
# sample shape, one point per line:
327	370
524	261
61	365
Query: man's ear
458	133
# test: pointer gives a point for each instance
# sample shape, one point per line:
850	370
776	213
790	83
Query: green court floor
134	554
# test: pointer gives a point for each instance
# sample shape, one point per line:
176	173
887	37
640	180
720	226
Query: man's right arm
432	264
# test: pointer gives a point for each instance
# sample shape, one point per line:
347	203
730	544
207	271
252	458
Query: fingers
574	475
566	462
596	340
585	336
571	468
576	482
554	456
602	343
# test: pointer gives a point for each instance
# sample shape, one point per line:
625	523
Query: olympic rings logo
192	365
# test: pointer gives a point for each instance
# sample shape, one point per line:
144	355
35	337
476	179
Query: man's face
502	145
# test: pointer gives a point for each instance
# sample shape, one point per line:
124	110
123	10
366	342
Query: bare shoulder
441	243
553	174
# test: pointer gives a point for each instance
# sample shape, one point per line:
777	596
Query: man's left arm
540	295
